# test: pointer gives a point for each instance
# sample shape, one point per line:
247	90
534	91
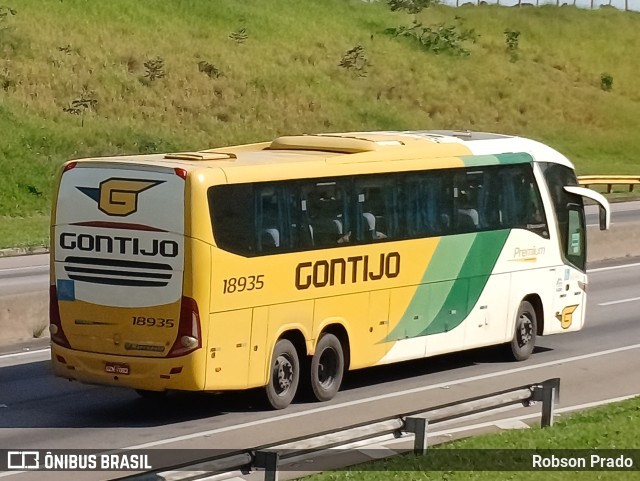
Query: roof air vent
332	143
201	155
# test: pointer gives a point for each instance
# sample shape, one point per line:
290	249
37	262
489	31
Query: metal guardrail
268	457
610	181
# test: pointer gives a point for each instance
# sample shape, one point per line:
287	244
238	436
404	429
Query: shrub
154	69
209	69
5	13
239	36
512	39
606	82
410	6
79	106
6	81
438	38
355	59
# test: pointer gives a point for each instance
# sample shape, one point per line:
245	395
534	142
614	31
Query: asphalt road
600	363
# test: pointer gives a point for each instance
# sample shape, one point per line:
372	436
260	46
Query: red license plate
116	368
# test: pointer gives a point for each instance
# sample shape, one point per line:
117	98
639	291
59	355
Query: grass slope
285	79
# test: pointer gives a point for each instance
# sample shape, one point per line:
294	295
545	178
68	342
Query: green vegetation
24	231
512	41
438	38
103	78
616	426
606	81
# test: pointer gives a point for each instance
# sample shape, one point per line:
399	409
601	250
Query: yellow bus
284	264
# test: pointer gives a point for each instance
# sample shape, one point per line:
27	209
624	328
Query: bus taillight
189	336
69	166
55	323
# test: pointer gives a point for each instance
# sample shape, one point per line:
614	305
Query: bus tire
524	336
284	375
327	368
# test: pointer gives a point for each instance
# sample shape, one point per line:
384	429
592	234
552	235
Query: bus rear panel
118	311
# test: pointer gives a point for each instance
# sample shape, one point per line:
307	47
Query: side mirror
605	209
604	225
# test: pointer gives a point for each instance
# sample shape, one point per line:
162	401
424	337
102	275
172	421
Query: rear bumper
185	373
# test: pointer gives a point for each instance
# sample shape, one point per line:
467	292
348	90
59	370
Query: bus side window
411	215
269	220
327	210
465	194
232	217
533	215
425	204
522	202
376	208
277	218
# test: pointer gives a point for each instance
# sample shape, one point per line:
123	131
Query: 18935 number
152	321
239	284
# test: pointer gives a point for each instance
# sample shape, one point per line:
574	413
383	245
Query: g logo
566	318
119	197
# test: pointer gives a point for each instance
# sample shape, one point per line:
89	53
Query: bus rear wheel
327	368
524	338
285	375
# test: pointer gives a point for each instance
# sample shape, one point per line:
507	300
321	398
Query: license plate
116	368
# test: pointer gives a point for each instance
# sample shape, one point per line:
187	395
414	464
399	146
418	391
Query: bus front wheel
327	368
524	337
285	375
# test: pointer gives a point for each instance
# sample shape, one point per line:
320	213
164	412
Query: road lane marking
610	268
25	268
24	353
356	402
598	225
621	301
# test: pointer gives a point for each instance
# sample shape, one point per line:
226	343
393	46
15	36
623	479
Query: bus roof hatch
340	143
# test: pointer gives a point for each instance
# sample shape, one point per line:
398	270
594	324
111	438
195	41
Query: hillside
83	78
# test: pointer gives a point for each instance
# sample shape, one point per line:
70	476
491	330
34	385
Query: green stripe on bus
452	284
471	281
499	159
435	285
430	295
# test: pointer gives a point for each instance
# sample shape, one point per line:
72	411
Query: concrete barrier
24	316
622	240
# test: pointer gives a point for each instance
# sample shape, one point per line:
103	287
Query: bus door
570	279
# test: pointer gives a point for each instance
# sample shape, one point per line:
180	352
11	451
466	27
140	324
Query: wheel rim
282	374
327	367
525	333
